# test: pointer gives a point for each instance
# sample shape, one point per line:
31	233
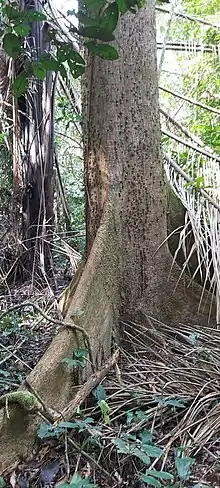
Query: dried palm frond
171	375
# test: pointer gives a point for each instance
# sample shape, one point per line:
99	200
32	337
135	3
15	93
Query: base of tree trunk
94	305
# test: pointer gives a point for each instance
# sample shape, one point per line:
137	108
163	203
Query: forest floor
154	421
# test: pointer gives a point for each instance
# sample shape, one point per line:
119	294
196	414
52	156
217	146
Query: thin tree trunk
36	135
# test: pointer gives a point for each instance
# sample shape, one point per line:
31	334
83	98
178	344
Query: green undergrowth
128	443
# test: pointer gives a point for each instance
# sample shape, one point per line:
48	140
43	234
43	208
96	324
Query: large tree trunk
126	220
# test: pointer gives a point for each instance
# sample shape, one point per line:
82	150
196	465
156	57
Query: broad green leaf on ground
99	393
122	446
141	455
163	475
183	467
79	482
46	430
150	481
152	451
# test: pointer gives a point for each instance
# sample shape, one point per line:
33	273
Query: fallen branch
86	389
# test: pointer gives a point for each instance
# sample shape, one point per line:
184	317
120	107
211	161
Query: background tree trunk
37	139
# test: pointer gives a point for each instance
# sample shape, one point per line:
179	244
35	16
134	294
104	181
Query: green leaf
193	337
12	13
159	474
12	45
4	373
48	64
105	51
105	409
122	446
122	6
146	436
34	16
76	69
152	451
63	72
27	15
84	19
130	417
183	467
79	482
39	72
80	425
46	430
99	393
173	402
94	5
67	425
150	480
96	33
22	30
2	482
73	362
80	353
20	85
109	19
141	455
65	52
132	5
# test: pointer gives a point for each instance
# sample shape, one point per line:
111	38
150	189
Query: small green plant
172	402
141	447
78	359
153	477
183	465
47	430
100	395
79	482
135	417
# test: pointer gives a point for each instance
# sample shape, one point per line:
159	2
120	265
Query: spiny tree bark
124	274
